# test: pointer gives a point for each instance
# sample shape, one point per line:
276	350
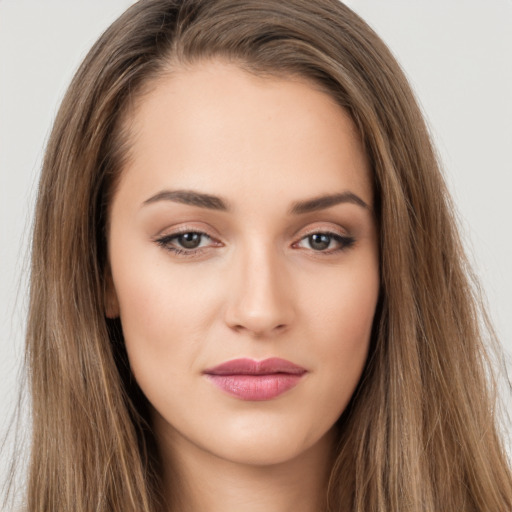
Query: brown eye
319	241
186	243
326	242
189	240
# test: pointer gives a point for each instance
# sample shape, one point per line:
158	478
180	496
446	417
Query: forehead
214	126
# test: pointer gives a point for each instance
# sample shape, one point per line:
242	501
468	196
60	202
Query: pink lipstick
255	380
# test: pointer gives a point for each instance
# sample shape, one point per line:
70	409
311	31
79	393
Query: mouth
252	380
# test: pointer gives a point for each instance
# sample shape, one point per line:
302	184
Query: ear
111	304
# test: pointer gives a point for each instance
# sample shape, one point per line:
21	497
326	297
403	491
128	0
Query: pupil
319	241
190	240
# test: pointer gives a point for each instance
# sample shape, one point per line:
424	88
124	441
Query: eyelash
345	242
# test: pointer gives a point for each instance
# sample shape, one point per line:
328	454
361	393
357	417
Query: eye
190	240
326	242
185	243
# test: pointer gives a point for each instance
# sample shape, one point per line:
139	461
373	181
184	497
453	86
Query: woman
247	287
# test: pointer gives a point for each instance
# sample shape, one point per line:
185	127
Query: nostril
260	306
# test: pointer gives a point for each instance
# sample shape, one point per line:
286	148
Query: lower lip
255	387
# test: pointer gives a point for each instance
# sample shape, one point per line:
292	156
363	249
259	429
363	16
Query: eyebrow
191	198
326	201
216	203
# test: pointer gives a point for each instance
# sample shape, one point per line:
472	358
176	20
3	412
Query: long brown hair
419	434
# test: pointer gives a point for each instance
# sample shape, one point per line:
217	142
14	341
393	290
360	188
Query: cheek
343	317
147	318
345	298
166	312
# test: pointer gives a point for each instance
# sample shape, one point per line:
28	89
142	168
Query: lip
252	380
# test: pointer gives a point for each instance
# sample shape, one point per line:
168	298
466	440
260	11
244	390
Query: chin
260	452
269	446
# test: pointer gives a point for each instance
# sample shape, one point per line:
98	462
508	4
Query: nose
260	298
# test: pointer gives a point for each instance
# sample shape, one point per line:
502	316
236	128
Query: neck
198	481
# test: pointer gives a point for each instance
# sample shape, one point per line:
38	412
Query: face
244	261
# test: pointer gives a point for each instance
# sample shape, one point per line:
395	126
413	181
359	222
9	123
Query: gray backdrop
457	54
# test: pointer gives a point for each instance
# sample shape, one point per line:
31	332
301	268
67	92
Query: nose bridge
260	300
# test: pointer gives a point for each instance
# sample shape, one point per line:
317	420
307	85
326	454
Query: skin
259	286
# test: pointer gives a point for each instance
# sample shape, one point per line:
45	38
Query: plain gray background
456	53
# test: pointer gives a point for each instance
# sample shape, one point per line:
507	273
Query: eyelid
164	238
344	240
324	229
174	232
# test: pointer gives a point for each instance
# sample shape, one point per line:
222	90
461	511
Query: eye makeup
189	242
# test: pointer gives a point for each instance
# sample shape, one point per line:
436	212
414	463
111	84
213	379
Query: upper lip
246	366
